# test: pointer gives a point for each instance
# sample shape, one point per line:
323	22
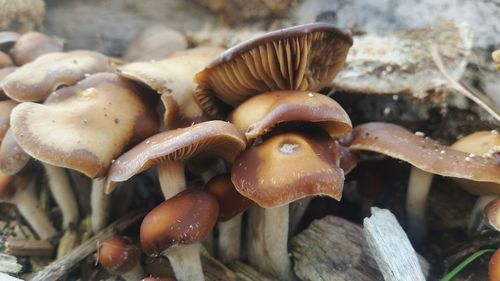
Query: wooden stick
28	247
60	267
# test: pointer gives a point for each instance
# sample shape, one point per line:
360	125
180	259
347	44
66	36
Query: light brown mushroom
119	256
6	107
304	57
4	72
33	44
36	80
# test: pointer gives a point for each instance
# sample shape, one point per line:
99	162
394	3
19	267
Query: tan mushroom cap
12	157
9	185
4	72
424	153
36	80
185	218
118	255
231	202
288	167
34	44
304	57
492	214
217	139
173	79
5	60
270	109
83	127
6	107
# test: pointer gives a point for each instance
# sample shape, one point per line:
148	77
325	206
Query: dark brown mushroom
119	256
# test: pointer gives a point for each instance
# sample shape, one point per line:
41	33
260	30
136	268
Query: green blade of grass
464	263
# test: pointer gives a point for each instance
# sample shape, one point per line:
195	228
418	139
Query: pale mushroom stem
136	273
419	185
268	241
60	187
186	263
171	177
476	218
297	211
30	209
228	248
99	204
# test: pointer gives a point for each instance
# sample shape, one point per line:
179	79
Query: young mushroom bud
175	227
120	257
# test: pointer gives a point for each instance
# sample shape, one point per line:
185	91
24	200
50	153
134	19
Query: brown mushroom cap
6	107
32	45
83	127
424	153
217	139
494	267
288	167
118	255
492	214
304	57
270	109
12	157
231	202
9	185
185	218
36	80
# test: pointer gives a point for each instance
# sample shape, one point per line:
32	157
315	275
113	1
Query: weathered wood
9	264
334	249
248	272
60	267
28	247
391	248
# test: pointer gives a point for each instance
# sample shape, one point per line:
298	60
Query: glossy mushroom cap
36	80
305	57
288	167
34	44
83	127
494	267
269	109
425	154
231	202
6	107
492	214
211	139
118	255
185	218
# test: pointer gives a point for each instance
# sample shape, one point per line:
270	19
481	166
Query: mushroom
18	190
36	80
231	206
492	214
175	227
282	169
6	107
67	130
494	266
4	72
33	44
5	60
207	140
120	257
304	57
428	157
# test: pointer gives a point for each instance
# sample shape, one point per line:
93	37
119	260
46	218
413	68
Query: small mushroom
32	45
304	57
231	206
494	266
36	80
18	190
120	257
174	229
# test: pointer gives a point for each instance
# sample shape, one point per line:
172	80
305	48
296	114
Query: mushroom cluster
249	123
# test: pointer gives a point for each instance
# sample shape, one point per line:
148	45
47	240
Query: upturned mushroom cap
217	139
173	79
492	214
36	80
118	255
304	57
288	167
425	154
83	127
231	202
6	107
270	109
34	44
185	218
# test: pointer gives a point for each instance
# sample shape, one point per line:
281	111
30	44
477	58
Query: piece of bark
216	271
248	272
334	249
60	267
391	248
28	247
9	264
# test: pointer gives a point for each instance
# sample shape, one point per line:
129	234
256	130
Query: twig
475	97
28	247
60	267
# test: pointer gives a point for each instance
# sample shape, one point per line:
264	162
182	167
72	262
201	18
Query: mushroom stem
171	177
30	209
228	248
268	240
136	273
63	194
99	204
186	262
476	217
419	185
297	211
